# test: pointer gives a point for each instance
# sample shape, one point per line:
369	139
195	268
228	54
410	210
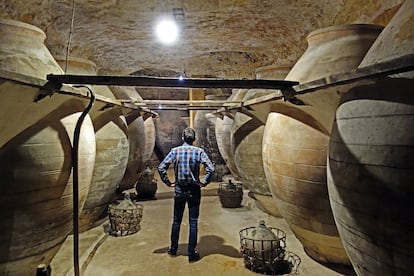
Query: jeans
190	195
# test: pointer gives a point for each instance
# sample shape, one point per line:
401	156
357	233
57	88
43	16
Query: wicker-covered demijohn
230	194
125	217
264	250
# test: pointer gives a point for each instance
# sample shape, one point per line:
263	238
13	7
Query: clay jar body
295	153
149	138
35	154
371	172
112	148
294	157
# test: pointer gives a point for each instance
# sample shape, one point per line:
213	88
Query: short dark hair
189	135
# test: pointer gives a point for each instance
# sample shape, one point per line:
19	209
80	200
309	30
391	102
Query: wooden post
195	94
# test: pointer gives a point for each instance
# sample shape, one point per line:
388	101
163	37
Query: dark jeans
191	195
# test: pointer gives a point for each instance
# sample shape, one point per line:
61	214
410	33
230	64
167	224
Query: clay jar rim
26	29
79	61
268	70
340	30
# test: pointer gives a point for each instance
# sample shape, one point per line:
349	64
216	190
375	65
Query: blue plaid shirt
186	159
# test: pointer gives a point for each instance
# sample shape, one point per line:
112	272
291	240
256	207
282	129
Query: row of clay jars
112	147
370	170
294	153
204	126
35	154
246	141
223	131
141	134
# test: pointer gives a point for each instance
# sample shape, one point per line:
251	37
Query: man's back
187	159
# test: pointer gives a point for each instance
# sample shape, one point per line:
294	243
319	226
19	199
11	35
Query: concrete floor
144	253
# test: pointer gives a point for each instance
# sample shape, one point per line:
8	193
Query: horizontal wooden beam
57	80
195	102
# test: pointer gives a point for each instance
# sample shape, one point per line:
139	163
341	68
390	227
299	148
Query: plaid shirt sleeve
162	168
208	166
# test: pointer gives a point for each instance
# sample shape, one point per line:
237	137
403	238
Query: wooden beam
195	102
168	82
195	94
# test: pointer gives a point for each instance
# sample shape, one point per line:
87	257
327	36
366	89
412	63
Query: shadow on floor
346	270
207	245
342	269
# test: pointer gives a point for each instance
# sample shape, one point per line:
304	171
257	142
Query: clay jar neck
21	30
332	33
76	65
273	72
81	66
22	50
216	97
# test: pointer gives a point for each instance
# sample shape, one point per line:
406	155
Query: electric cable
70	35
75	166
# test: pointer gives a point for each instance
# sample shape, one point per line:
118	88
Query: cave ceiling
218	38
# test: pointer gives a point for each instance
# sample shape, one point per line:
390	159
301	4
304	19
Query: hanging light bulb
167	31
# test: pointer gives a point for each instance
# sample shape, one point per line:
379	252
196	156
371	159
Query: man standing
186	159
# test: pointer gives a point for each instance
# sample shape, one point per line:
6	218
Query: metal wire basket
268	256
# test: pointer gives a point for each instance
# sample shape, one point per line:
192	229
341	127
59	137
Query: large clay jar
223	134
204	126
137	135
331	50
169	127
295	155
371	171
149	138
294	159
112	148
35	154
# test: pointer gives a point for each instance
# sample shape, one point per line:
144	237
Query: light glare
167	31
